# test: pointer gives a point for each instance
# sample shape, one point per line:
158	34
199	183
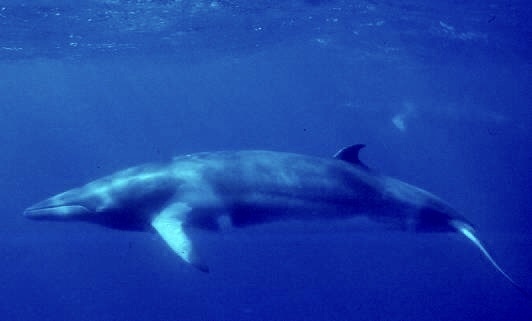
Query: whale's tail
468	231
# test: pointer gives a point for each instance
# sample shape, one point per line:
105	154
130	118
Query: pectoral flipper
170	224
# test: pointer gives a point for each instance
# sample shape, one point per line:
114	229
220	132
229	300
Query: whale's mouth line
36	211
39	208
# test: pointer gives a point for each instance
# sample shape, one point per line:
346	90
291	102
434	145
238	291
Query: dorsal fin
350	154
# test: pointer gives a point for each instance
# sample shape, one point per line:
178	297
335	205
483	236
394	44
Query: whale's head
102	204
127	200
74	204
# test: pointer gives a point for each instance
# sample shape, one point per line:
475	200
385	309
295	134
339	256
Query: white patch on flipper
468	232
170	225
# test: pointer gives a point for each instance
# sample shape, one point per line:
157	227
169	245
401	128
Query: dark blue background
88	90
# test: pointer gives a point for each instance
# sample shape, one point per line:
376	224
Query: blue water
439	92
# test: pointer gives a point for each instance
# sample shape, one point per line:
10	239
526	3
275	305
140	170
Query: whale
213	190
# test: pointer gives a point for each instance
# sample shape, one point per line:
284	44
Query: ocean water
440	92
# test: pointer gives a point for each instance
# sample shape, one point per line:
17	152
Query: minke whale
211	190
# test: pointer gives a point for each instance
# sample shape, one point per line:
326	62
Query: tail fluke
466	230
